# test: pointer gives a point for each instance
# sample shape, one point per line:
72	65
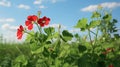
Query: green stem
28	33
91	45
91	41
59	31
19	50
58	39
90	37
96	35
39	28
93	32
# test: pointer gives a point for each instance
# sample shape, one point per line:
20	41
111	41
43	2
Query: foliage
49	47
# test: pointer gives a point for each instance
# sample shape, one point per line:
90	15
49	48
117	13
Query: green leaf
21	59
96	15
94	23
66	65
102	56
107	17
81	48
77	35
81	23
82	29
64	50
16	65
49	30
56	49
57	63
34	46
43	38
101	64
66	35
41	63
115	21
46	52
116	35
55	35
83	61
37	51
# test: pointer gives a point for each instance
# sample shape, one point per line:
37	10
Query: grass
11	51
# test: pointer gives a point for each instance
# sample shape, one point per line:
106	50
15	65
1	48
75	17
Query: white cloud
54	1
5	20
22	6
38	2
5	3
9	27
42	7
90	8
110	5
74	30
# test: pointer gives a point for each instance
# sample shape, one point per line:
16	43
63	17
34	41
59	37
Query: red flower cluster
20	32
43	21
110	65
29	23
108	50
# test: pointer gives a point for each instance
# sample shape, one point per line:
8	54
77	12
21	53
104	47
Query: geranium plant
50	47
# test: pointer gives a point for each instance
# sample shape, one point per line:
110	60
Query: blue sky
66	12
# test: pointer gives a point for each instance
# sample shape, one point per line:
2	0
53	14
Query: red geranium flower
20	32
43	21
32	18
29	24
110	65
108	49
104	53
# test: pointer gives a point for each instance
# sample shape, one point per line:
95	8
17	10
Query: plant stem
90	37
93	32
28	33
59	31
91	41
19	50
39	28
96	35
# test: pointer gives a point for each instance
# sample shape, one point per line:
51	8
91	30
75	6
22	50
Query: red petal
108	49
28	22
44	17
18	31
20	36
34	18
42	24
30	27
21	28
29	18
40	21
43	21
47	21
110	65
